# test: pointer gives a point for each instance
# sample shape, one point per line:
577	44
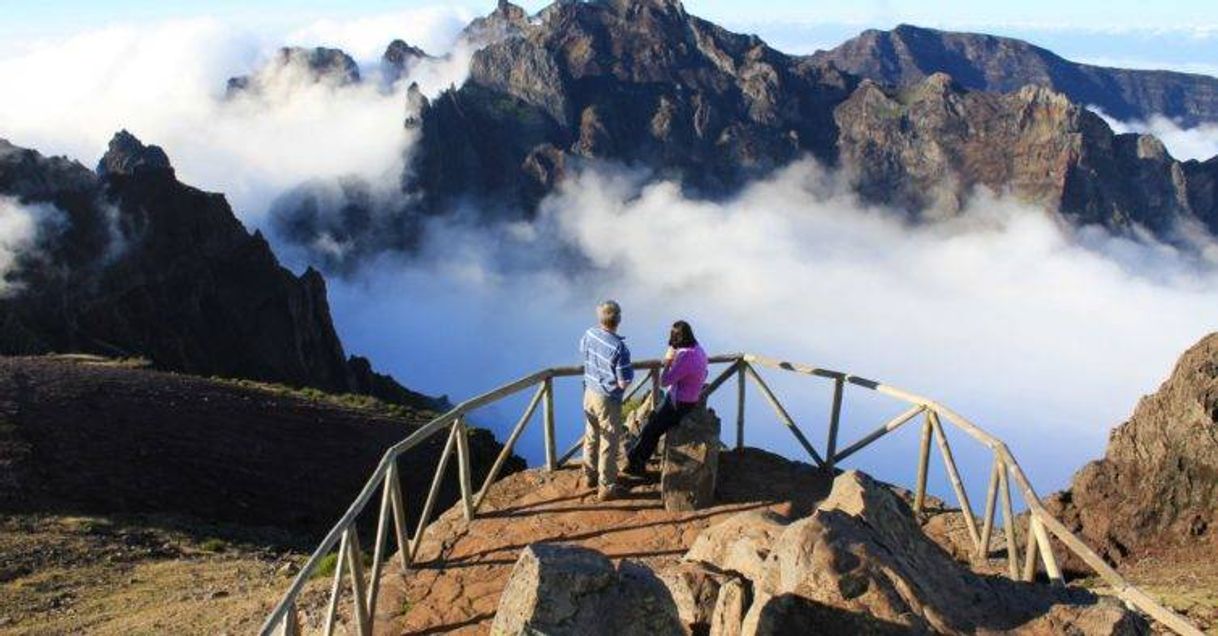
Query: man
607	373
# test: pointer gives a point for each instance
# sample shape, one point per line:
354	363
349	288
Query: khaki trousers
603	416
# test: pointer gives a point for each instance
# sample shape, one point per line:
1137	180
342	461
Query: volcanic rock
399	58
929	146
861	562
907	55
564	589
146	266
691	461
294	65
1156	487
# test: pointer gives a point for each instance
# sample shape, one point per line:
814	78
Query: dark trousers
658	423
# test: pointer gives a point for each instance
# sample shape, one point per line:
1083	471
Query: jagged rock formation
93	437
645	84
143	265
298	65
860	562
1156	489
928	146
908	54
641	82
399	58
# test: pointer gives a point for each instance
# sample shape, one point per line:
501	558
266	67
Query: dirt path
459	592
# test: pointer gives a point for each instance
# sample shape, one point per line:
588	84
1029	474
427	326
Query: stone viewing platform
455	584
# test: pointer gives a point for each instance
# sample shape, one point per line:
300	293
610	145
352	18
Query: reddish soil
463	567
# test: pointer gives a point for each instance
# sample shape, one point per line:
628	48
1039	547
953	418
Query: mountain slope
928	146
908	54
85	436
139	264
1156	488
646	85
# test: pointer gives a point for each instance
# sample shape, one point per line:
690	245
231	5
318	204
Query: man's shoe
611	493
635	471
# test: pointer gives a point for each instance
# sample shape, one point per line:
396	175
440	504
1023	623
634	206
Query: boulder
739	544
861	564
694	590
691	462
1156	488
730	608
565	589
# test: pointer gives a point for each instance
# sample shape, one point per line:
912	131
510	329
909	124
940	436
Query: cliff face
908	54
928	145
639	82
1157	486
143	265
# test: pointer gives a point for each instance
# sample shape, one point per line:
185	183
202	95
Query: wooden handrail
283	618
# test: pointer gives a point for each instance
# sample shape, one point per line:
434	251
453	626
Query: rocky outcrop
929	146
565	589
146	266
1156	488
691	462
860	563
907	55
294	65
645	84
641	82
399	58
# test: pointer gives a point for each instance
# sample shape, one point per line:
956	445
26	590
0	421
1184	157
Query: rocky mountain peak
127	156
1157	485
294	64
399	57
907	54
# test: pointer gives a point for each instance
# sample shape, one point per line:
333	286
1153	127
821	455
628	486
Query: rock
691	462
861	564
565	589
1157	486
399	58
298	66
907	54
127	156
157	269
730	608
694	590
740	544
1102	619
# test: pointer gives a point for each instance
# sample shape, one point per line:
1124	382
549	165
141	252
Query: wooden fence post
551	453
923	465
834	418
740	405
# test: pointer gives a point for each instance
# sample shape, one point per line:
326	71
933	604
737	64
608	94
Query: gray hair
609	313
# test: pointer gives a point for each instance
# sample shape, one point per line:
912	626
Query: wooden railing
364	585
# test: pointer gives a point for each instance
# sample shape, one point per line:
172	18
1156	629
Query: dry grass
95	575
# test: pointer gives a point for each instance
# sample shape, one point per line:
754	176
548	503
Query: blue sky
1181	35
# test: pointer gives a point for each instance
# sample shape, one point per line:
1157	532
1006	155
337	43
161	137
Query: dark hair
681	336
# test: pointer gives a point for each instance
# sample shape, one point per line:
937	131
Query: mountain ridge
908	54
147	266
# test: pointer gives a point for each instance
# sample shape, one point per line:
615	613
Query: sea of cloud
1042	334
166	84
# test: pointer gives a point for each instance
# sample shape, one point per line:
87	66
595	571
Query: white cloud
1198	142
21	226
433	29
1045	338
165	83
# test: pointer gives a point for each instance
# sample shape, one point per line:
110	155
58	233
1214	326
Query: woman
685	371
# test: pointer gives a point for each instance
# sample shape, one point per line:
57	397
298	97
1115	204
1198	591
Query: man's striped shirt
606	361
